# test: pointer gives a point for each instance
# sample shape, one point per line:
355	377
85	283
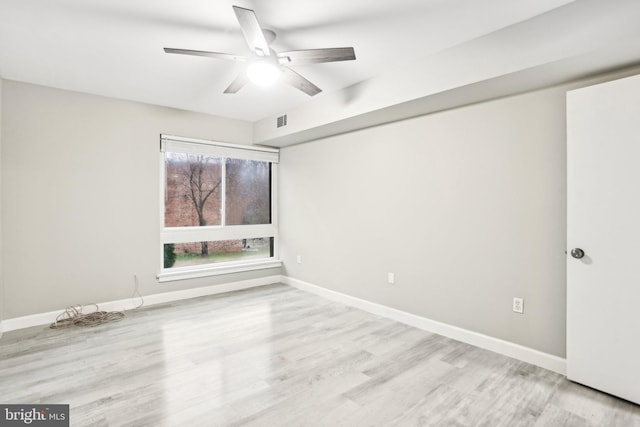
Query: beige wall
81	195
467	207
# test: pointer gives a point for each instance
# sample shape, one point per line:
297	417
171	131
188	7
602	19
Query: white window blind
175	144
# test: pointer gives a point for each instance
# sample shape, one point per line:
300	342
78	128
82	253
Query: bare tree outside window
193	191
194	199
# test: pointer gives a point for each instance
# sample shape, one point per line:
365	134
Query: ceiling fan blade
238	83
313	56
296	80
218	55
252	31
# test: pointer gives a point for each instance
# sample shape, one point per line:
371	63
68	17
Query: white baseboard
526	354
516	351
153	299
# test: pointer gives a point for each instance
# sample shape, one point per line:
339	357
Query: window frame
223	231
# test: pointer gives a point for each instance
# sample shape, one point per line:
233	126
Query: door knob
577	253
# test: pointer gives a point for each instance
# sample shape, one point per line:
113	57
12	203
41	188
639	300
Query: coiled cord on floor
73	315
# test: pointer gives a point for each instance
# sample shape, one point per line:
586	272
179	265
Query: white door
603	219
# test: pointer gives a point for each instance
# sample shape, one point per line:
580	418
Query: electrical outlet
299	259
391	278
518	305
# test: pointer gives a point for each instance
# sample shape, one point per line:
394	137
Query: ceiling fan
265	64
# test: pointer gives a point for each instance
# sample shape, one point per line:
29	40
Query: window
218	208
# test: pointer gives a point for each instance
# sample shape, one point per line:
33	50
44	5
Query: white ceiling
114	47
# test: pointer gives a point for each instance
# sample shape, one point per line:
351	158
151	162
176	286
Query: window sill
183	273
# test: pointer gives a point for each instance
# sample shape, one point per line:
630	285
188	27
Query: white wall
1	237
81	195
467	207
578	38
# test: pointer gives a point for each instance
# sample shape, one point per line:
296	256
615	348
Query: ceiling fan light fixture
266	65
263	73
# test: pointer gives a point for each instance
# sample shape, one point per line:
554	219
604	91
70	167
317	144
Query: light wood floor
277	356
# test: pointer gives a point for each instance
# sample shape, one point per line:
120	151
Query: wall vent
282	121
